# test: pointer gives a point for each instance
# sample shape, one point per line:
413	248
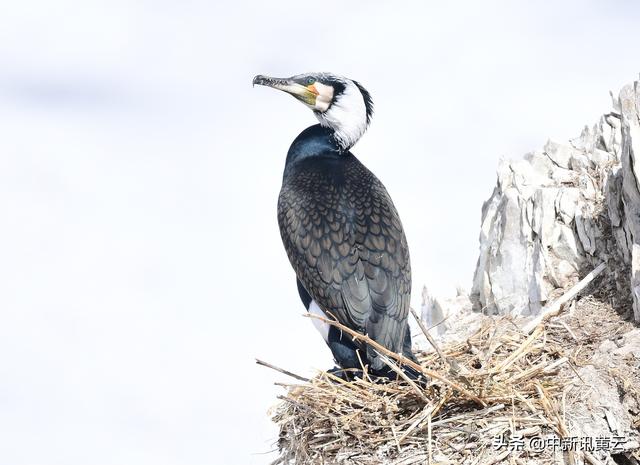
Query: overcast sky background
141	268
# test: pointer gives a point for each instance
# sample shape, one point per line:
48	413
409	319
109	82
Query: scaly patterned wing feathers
345	241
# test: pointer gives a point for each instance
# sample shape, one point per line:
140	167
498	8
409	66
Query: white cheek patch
324	97
320	325
347	116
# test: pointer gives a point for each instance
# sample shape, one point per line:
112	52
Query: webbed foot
346	374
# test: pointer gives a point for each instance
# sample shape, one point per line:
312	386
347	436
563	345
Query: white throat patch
347	116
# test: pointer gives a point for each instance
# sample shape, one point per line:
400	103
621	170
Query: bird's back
345	240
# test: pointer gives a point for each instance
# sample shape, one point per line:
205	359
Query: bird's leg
345	352
406	345
346	374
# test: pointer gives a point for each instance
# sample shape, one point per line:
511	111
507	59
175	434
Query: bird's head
339	103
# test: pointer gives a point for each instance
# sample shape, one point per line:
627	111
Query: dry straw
503	381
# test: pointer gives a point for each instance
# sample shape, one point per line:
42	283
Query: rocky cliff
559	211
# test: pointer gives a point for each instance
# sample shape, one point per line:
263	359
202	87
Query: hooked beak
288	85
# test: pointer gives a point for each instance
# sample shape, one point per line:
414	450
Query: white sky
141	269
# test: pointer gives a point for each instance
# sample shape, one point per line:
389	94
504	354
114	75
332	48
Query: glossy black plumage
345	241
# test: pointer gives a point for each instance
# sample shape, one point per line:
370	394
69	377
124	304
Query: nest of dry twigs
499	382
505	381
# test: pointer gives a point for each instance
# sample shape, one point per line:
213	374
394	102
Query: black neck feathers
315	141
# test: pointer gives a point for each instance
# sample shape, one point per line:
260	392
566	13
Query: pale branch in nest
425	331
553	309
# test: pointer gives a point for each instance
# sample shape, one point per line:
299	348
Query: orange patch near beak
312	89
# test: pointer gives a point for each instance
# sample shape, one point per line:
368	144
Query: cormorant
340	228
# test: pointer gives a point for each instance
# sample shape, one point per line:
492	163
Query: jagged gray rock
630	198
560	211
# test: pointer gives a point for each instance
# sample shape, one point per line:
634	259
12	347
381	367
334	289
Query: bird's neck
314	142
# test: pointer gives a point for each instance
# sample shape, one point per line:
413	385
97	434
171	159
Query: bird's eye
310	81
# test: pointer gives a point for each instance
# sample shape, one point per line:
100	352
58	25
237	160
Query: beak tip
259	79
